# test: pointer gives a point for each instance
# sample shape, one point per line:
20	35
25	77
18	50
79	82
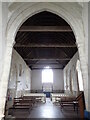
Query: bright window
47	75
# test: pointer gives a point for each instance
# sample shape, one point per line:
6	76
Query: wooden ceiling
45	39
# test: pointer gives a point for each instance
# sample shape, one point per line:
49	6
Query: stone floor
47	110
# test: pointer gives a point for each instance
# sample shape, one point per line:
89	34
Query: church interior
46	71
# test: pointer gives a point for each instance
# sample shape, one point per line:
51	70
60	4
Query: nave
45	60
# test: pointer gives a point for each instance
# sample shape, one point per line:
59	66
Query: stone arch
18	18
26	11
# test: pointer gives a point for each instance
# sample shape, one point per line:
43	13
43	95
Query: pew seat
38	96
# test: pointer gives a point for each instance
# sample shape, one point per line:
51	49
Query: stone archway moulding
21	15
73	17
26	11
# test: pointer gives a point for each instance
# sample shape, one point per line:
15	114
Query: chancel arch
18	18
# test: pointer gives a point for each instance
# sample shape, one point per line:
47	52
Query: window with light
47	75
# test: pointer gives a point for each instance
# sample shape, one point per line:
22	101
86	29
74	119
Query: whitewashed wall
88	89
58	82
36	80
71	66
86	23
3	23
20	76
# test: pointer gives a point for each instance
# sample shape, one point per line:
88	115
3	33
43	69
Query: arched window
47	75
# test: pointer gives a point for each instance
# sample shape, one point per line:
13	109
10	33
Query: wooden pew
57	96
29	98
64	100
35	99
81	103
38	96
26	101
75	102
20	103
69	101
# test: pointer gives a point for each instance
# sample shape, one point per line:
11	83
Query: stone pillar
1	38
4	79
89	53
84	69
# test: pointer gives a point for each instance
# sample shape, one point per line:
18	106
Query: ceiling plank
27	59
44	63
43	68
45	29
45	45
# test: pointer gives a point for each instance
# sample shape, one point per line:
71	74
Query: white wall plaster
71	66
20	75
58	82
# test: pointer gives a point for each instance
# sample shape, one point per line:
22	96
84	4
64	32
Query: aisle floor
47	110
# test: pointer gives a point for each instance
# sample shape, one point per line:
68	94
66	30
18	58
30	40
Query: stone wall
3	40
19	81
89	57
70	74
20	76
58	82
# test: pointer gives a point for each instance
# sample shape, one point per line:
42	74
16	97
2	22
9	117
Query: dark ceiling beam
45	29
44	68
29	54
45	46
29	59
43	64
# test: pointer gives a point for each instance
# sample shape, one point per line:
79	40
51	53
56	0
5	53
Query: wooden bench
75	102
57	96
34	99
81	103
20	103
69	101
64	100
30	98
37	96
25	102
